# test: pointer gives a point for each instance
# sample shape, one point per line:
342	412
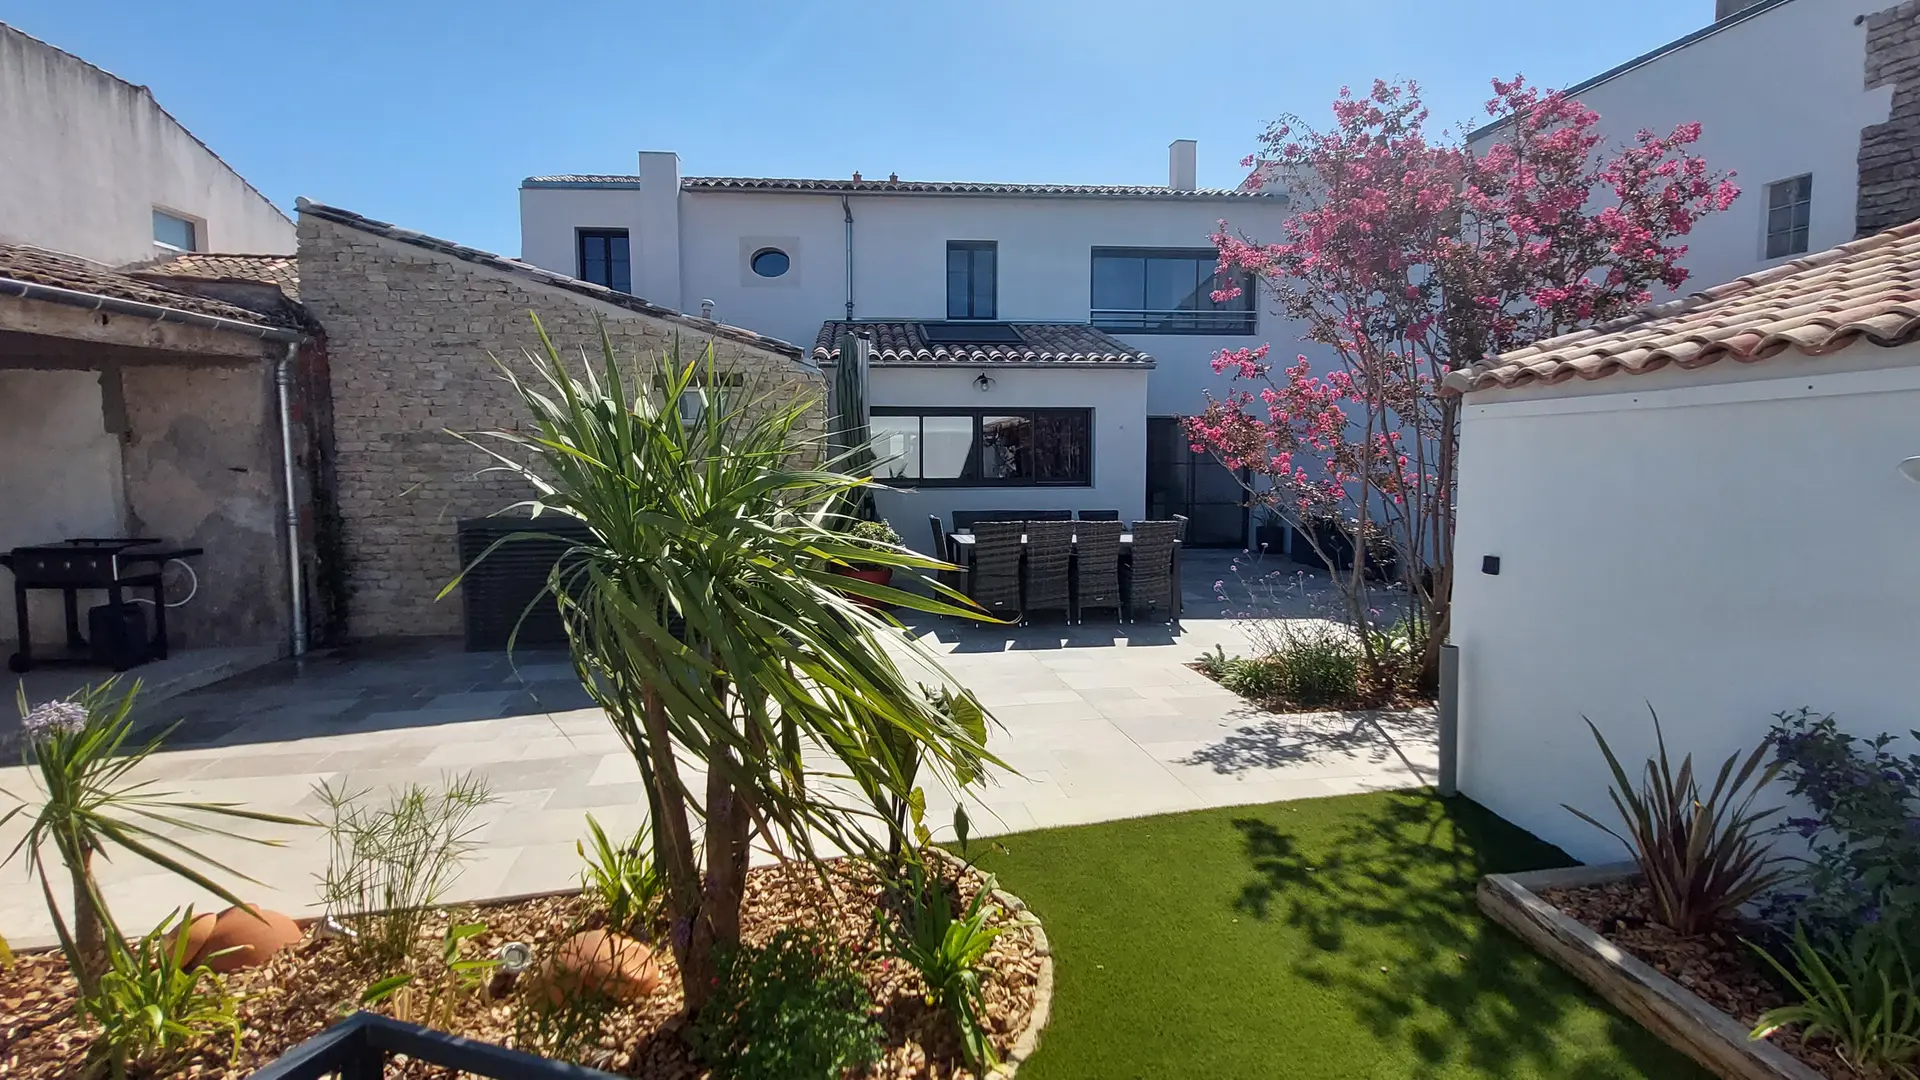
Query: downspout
846	211
283	382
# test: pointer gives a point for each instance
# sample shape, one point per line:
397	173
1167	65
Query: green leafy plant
388	865
620	880
793	1008
947	953
152	1006
81	755
435	1000
1311	667
708	622
1214	664
1862	995
1703	854
6	954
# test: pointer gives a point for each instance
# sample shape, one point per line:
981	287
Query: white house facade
1059	330
96	168
1709	512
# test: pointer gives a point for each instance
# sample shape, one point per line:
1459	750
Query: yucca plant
706	619
1862	995
1703	855
80	753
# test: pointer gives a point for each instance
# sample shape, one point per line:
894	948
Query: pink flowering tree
1404	258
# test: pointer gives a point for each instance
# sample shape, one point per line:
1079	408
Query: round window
769	262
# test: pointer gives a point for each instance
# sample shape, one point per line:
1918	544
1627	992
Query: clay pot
600	961
198	931
252	939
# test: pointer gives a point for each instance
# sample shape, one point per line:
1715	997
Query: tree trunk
673	850
89	928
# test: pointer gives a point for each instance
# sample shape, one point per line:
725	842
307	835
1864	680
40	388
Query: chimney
1724	8
1182	164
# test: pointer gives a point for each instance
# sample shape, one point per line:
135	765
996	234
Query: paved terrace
1100	721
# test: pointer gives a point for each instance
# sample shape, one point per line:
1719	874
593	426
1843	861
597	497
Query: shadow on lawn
1391	919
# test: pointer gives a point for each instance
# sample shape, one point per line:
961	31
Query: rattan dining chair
1099	515
1096	569
1049	562
993	580
941	549
1150	579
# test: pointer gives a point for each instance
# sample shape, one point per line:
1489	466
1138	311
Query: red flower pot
881	576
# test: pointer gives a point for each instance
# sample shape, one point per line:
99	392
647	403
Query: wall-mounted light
1910	469
983	383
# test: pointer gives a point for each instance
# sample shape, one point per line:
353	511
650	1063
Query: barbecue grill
113	564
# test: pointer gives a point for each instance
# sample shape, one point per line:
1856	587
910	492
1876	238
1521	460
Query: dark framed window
941	447
972	274
1168	291
1789	210
604	259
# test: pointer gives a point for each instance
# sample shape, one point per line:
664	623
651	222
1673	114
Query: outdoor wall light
983	383
1910	469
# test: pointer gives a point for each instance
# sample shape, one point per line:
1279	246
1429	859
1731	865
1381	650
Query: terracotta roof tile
281	270
1865	290
38	266
905	343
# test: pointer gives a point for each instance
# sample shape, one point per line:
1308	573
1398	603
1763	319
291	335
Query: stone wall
1890	152
409	330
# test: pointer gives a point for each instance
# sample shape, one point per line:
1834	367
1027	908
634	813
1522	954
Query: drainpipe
283	382
1447	783
846	210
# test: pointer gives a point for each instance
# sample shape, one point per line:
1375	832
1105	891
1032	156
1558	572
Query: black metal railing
1173	321
358	1047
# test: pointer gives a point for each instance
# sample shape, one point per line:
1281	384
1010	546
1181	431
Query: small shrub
792	1008
433	998
621	881
388	866
1862	995
947	954
873	532
1254	676
1214	664
1319	665
152	1007
1863	866
1702	855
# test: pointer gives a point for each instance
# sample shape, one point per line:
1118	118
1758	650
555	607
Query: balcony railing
358	1047
1125	321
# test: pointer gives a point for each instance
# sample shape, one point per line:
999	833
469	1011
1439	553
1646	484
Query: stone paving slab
1099	721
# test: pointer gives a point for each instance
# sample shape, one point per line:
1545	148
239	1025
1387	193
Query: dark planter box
1332	540
1270	539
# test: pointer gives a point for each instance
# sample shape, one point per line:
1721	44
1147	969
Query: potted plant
878	534
1323	541
1270	536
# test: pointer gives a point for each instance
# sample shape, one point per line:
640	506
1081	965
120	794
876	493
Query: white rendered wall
1722	544
89	157
1118	401
1777	95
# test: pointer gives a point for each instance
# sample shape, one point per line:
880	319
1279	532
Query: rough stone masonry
1890	152
412	323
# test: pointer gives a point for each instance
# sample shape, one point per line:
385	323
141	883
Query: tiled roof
38	266
1868	289
895	187
905	343
281	270
546	277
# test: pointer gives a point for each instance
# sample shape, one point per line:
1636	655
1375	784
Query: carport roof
52	269
1865	290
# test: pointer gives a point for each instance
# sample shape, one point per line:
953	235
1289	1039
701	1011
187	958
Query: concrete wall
1722	544
1778	94
59	476
899	259
1117	399
409	331
202	462
89	157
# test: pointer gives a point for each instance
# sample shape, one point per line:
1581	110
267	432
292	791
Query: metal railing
1122	320
358	1047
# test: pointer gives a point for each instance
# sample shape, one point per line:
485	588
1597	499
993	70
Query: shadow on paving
1275	741
375	685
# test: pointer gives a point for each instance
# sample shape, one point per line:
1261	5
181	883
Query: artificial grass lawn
1320	938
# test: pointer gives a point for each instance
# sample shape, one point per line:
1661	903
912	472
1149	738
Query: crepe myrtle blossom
1408	255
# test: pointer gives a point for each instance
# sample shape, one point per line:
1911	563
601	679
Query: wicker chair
952	579
1096	571
1049	559
994	579
1149	580
1099	515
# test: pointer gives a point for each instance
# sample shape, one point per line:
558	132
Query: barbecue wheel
19	664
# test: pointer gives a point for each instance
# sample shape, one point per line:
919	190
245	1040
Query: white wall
89	157
59	476
1118	401
1723	544
1777	95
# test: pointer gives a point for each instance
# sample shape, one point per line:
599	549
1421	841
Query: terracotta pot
197	933
252	939
881	576
599	961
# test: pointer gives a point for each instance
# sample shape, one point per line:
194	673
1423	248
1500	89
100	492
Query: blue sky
428	113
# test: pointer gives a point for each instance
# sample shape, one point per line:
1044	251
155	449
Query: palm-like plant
707	620
90	803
